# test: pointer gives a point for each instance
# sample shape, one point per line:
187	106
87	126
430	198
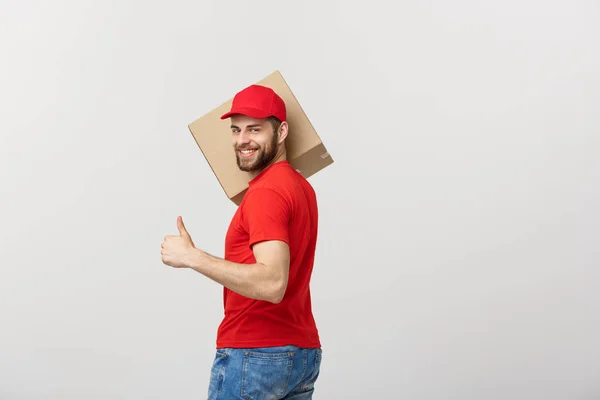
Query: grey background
458	254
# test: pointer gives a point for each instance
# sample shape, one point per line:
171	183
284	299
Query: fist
176	249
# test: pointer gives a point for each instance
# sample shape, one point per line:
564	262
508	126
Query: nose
243	138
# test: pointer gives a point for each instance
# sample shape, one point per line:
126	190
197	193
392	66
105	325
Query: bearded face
255	143
254	157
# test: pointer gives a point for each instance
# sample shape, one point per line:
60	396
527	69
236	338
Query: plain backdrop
459	236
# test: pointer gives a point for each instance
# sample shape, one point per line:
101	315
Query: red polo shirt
280	204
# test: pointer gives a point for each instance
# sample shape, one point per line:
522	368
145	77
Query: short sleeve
266	216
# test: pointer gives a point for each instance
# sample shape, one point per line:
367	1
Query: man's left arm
266	218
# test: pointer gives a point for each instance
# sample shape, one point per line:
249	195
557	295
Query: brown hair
275	123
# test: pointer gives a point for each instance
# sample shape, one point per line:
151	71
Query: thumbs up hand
176	249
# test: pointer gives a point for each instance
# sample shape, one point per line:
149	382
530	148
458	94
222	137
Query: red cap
257	101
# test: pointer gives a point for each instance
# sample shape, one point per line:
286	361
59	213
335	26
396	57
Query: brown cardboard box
305	150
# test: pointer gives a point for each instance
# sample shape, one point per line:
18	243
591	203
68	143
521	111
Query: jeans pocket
266	374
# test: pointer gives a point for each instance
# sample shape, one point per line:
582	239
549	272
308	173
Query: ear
283	131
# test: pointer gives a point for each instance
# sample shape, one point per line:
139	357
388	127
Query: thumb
181	227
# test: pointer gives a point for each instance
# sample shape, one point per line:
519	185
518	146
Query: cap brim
250	112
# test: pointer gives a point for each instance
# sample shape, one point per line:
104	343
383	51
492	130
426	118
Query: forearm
254	281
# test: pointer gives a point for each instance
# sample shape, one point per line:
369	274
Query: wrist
194	258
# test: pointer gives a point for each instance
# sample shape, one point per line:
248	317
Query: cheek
259	141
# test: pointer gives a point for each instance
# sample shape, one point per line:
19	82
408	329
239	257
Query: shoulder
265	199
282	180
284	186
262	193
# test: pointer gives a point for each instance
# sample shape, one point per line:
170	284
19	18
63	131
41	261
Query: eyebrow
249	126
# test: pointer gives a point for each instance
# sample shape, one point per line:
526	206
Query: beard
261	158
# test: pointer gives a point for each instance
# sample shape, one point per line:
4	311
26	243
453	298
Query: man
268	345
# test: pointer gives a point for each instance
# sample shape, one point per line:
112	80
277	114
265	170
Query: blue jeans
286	372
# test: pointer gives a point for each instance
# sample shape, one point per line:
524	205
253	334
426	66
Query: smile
248	152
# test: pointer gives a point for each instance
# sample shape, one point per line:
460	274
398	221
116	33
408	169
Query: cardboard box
305	150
